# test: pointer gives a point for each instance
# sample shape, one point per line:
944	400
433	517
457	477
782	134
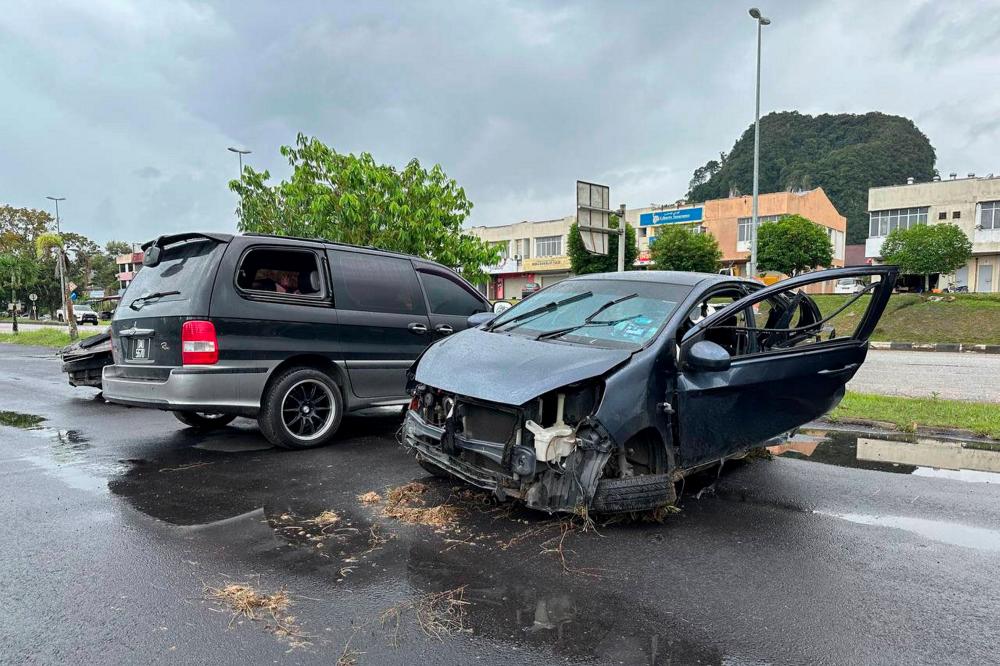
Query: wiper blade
149	297
590	320
548	307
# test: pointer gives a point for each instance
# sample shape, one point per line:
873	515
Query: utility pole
761	22
621	237
59	262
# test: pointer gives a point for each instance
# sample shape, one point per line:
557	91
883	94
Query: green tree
792	244
926	249
19	227
845	154
48	244
676	248
115	248
352	199
583	262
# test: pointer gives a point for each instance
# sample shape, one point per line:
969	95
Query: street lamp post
59	263
240	153
761	22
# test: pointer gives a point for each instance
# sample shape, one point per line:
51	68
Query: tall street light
62	275
761	22
240	153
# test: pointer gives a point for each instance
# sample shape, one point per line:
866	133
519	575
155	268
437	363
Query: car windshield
566	312
846	281
83	308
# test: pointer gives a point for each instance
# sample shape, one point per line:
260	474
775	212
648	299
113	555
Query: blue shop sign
671	216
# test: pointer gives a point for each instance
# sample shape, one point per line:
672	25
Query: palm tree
46	243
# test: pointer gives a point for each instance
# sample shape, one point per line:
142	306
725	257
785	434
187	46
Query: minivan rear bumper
231	390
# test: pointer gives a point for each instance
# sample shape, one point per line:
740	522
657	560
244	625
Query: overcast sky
127	108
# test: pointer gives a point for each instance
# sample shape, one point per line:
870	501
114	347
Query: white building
971	203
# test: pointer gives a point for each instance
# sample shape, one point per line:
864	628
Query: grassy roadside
969	318
907	414
43	338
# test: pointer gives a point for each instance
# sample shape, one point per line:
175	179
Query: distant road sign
32	297
593	209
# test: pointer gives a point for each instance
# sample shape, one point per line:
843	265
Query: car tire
634	493
439	472
204	420
302	409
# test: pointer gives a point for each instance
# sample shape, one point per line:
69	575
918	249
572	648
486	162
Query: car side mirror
707	356
480	318
501	306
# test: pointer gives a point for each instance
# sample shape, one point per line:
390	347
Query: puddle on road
972	461
954	534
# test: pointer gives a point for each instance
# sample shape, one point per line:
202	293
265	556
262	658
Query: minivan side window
448	297
280	272
375	283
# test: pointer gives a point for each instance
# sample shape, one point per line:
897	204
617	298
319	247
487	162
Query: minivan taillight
199	345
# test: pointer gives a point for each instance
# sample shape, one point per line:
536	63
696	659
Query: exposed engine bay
550	451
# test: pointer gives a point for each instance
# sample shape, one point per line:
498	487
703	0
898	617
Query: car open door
801	353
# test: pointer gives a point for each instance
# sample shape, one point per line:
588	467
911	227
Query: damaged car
602	392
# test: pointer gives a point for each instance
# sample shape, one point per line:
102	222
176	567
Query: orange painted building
729	220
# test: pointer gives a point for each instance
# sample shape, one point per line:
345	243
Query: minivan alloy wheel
308	409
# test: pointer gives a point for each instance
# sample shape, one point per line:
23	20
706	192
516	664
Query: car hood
509	368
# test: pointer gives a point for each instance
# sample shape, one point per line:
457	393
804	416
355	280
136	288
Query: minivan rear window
183	268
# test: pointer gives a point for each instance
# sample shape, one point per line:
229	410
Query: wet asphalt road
117	519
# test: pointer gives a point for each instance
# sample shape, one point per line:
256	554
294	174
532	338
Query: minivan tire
634	493
300	400
204	420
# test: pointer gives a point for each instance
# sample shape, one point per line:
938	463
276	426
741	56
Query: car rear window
185	268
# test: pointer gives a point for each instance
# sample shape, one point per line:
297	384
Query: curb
936	347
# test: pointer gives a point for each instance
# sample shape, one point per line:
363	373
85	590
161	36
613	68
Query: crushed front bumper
566	487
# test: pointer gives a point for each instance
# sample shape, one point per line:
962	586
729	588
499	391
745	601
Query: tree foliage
52	243
87	263
353	199
793	244
926	249
676	248
583	262
845	154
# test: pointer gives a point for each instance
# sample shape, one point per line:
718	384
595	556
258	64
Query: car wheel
439	472
634	493
301	410
204	420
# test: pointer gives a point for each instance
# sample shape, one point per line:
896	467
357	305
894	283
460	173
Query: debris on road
407	503
247	602
371	497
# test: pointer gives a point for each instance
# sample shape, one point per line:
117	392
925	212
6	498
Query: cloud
148	172
127	108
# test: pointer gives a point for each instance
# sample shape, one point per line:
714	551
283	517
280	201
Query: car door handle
418	329
839	371
444	329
